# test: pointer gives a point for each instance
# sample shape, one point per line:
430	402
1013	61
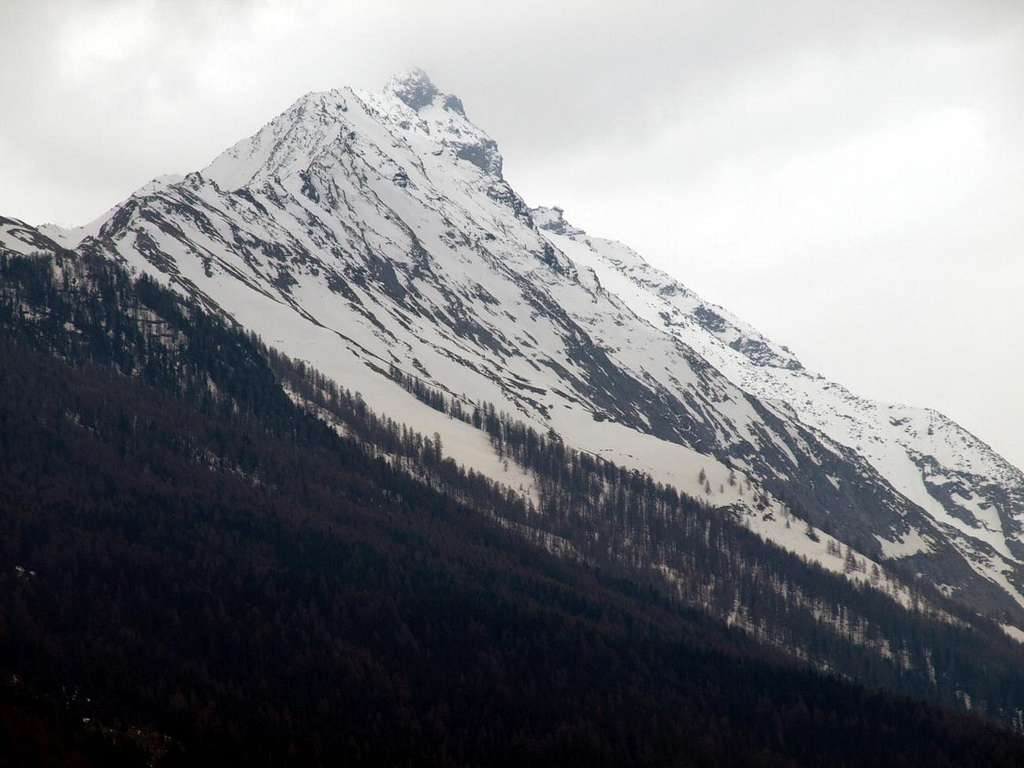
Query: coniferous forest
212	555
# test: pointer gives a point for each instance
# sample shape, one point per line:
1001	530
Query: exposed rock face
415	89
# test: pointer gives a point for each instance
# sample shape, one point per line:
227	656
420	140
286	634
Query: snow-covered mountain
364	232
974	497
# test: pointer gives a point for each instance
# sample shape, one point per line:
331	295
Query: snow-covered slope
974	497
364	231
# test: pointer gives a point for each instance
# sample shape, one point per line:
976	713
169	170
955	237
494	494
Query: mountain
216	555
373	236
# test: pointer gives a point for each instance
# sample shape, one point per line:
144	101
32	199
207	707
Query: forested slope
189	552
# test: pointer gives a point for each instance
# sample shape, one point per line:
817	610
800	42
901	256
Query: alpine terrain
589	403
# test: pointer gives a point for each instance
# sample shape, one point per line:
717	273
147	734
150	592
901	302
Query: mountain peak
415	88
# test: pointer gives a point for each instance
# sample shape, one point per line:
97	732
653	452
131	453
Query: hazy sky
847	176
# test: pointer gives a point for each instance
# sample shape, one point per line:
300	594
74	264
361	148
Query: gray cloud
847	176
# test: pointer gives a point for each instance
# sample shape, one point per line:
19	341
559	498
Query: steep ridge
366	232
974	497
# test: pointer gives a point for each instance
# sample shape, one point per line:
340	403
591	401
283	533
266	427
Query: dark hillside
188	553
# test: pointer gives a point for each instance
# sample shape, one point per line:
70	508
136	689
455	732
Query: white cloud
94	40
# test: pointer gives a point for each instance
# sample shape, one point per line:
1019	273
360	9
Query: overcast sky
847	176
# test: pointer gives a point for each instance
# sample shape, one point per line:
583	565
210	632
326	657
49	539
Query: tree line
205	540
